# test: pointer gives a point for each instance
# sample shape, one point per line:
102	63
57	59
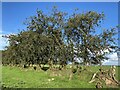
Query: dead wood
107	76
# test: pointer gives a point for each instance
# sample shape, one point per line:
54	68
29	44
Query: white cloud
3	42
113	56
113	60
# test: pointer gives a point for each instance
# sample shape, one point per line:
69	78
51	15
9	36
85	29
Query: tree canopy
59	38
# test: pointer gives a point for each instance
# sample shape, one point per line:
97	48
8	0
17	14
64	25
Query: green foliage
80	31
56	39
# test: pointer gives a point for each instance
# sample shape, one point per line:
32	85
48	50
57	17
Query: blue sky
14	14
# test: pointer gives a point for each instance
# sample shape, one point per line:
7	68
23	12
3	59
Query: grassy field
15	77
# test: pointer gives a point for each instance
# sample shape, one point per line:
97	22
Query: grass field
15	77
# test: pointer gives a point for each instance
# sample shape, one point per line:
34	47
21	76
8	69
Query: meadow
16	77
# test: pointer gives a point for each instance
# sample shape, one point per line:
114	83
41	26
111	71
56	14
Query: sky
14	14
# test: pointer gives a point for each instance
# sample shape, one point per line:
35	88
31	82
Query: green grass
28	78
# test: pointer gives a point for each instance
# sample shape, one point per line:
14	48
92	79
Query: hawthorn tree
42	43
57	38
80	31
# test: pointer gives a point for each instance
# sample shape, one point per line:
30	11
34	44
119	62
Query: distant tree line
59	38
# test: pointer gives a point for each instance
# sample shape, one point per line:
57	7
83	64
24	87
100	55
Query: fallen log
108	77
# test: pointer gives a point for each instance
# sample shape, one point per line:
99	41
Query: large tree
57	38
80	31
41	43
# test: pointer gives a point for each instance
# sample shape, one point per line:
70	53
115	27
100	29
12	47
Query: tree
56	39
81	34
42	43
